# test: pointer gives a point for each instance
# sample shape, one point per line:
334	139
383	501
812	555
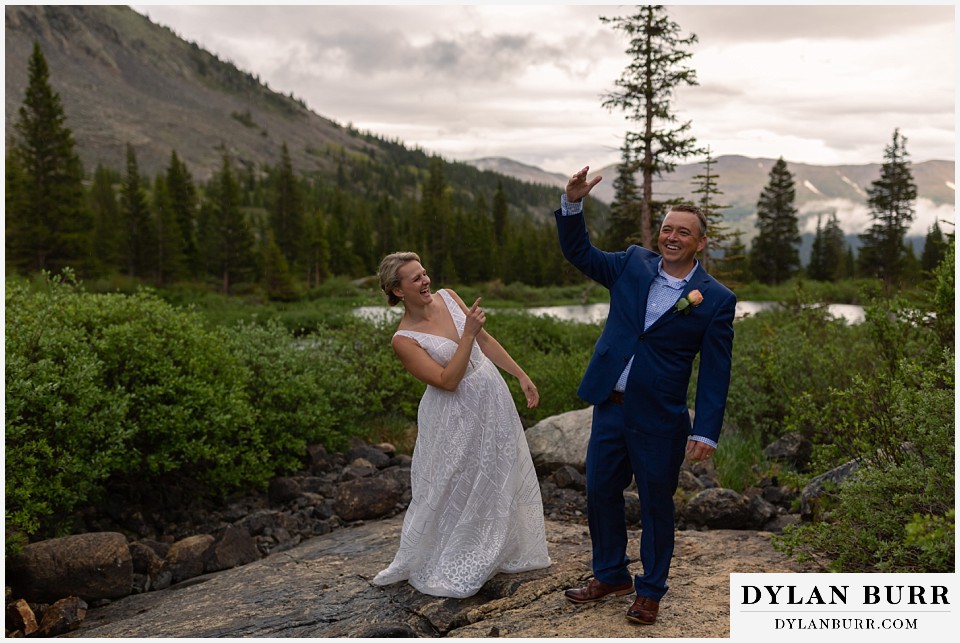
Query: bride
476	507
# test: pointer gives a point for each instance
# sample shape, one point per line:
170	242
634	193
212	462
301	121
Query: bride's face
414	283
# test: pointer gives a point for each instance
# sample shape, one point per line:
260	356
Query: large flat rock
322	588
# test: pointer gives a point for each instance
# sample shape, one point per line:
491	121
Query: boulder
91	566
359	468
185	558
366	498
232	547
718	509
560	440
761	512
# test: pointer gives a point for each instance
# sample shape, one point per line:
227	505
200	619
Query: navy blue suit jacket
655	399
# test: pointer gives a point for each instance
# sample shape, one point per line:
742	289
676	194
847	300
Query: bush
118	390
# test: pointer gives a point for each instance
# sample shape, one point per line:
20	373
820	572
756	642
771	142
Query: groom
664	309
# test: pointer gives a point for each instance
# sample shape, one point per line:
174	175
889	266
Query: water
593	313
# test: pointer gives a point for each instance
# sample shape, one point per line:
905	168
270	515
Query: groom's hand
698	451
578	186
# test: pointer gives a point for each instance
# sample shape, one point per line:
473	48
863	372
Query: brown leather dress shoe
644	611
595	590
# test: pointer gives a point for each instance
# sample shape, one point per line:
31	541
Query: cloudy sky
813	84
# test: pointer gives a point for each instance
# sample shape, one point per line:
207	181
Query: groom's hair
692	209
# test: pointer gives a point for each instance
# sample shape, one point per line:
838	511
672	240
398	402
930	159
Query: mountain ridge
125	79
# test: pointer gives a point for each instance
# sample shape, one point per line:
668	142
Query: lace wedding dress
476	507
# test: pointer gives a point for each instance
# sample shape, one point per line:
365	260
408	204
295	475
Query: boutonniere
692	300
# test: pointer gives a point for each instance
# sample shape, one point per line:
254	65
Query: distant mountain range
124	79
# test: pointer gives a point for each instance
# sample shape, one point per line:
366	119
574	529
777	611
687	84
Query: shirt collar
674	281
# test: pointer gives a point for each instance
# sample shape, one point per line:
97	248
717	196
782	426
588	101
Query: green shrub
116	390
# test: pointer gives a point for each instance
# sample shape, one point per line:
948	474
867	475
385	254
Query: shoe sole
619	592
637	619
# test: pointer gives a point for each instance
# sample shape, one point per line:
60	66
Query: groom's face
680	237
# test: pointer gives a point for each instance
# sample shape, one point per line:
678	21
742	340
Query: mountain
521	171
123	79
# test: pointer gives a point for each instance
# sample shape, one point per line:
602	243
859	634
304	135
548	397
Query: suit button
626	358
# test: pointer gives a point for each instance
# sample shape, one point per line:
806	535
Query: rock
257	522
366	498
282	490
376	457
811	498
792	449
761	512
317	485
320	460
185	558
690	482
560	440
718	509
359	468
402	476
63	616
401	460
20	617
387	448
145	559
631	507
566	477
389	631
232	547
781	496
90	566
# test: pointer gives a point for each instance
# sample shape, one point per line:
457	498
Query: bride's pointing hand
475	319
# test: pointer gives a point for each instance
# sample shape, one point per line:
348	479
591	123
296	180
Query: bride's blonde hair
389	267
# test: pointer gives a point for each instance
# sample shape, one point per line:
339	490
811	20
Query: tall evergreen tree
734	267
706	187
645	89
170	260
317	250
625	211
139	238
287	213
227	237
436	221
775	255
108	234
834	249
934	248
48	224
891	202
184	202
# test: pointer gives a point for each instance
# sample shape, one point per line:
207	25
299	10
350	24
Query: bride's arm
499	356
419	363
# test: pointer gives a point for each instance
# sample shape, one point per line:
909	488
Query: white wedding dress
476	507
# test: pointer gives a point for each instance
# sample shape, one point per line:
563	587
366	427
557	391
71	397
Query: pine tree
48	224
816	269
775	255
934	248
706	187
170	259
287	213
184	202
317	250
646	87
227	237
734	267
890	199
139	239
108	233
834	247
276	273
625	210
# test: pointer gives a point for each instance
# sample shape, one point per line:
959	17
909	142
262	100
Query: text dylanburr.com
844	607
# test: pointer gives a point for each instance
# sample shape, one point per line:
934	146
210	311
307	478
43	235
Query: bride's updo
389	267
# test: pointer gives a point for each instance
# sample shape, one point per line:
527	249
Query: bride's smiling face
414	283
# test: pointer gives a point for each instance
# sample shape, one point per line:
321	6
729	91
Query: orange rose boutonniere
692	300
